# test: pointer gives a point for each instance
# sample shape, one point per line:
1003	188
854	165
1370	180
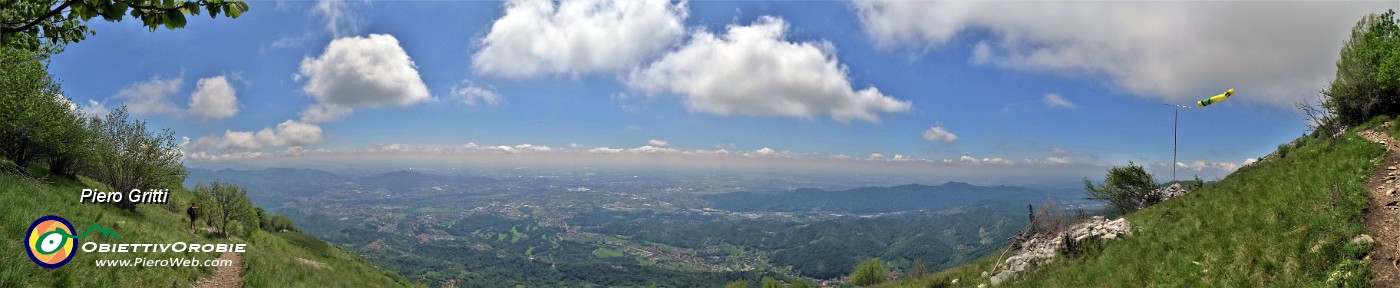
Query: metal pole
1176	113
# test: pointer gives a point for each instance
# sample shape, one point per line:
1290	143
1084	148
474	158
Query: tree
36	122
918	267
1126	189
229	204
1368	72
279	223
127	156
869	272
737	284
24	23
769	282
802	283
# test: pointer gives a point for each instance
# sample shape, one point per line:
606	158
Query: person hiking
194	214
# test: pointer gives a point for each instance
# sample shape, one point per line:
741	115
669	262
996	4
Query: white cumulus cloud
1171	50
938	134
288	133
754	70
151	96
360	72
539	37
658	143
94	108
214	98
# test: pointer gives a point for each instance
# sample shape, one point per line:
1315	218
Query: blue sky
1058	89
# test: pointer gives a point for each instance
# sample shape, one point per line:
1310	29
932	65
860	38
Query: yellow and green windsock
1216	98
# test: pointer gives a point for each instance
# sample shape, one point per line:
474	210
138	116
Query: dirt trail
225	276
1383	213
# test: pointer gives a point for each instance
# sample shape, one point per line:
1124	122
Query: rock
1391	167
1044	247
1362	239
983	285
996	280
955	281
984	274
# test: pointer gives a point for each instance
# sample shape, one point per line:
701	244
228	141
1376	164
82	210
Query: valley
633	228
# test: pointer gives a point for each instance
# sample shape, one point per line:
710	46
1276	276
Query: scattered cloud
288	133
938	134
1059	160
539	37
1200	165
658	143
286	41
750	70
1163	50
1053	100
151	96
973	160
1059	151
360	72
321	113
214	98
94	108
765	151
472	94
339	16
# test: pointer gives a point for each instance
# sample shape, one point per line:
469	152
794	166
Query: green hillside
270	261
1283	222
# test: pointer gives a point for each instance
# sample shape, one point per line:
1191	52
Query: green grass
607	253
1281	223
311	244
270	261
28	199
273	262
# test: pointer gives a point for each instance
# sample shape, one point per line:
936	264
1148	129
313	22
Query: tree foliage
1126	188
36	122
1368	73
229	206
132	157
24	23
869	272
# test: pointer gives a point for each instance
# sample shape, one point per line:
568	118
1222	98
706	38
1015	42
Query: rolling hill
1285	221
284	259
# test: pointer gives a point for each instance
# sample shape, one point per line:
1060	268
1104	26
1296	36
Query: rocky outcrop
1169	192
1043	247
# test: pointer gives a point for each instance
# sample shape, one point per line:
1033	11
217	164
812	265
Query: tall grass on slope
1283	223
308	262
22	200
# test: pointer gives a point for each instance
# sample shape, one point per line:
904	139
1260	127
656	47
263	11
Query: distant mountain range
876	199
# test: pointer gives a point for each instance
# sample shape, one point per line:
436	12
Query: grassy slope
269	262
1272	224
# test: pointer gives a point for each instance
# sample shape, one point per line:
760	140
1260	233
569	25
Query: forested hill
875	199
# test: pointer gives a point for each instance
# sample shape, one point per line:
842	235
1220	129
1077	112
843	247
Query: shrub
1126	189
37	124
229	208
128	156
1368	72
869	272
